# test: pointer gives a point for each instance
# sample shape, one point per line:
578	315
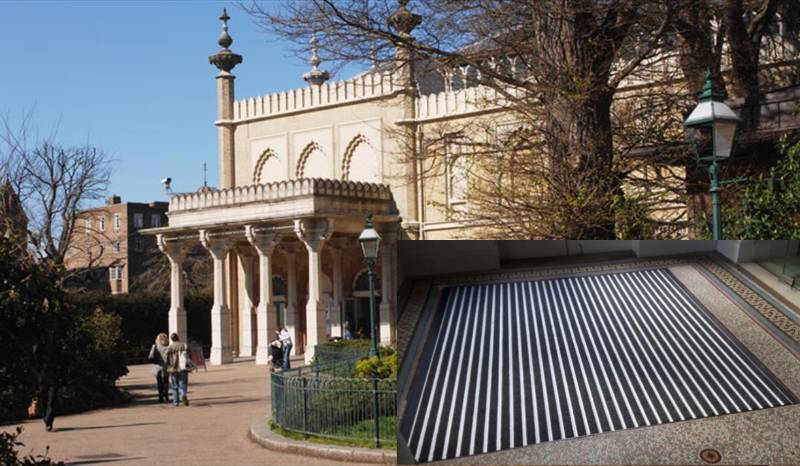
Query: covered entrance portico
314	224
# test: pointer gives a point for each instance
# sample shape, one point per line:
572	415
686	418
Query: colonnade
259	242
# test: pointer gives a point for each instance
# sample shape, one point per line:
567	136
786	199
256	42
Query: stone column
290	251
177	314
387	308
264	241
314	232
403	22
225	61
336	246
395	286
220	314
247	305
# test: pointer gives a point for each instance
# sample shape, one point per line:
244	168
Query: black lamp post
370	242
711	126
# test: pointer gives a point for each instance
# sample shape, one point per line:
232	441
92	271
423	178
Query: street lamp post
711	126
370	242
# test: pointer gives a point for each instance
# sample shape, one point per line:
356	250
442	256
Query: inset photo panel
598	352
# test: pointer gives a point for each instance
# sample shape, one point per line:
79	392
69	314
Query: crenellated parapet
366	86
280	190
463	101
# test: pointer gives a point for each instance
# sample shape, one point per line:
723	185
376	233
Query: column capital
218	247
173	249
263	239
313	232
389	232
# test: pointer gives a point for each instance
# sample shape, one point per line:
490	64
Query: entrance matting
513	364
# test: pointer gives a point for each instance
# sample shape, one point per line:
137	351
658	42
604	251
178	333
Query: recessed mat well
513	364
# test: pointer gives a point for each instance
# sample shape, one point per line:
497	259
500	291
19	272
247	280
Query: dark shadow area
220	400
67	429
140	386
105	460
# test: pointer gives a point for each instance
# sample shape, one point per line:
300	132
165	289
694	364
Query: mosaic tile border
753	298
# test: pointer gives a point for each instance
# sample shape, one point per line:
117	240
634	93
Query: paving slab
212	430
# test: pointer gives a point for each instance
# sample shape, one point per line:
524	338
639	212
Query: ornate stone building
297	180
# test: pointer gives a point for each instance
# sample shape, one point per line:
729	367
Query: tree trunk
576	69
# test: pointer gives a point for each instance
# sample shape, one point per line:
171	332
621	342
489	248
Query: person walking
158	356
47	397
178	367
286	339
276	348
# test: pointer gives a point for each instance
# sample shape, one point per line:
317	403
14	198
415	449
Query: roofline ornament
225	60
316	76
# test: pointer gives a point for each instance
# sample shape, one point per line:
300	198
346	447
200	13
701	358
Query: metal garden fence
326	354
323	401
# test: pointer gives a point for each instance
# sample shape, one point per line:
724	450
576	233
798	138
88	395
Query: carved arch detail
301	162
262	160
348	154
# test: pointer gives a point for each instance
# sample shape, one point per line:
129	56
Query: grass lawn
363	433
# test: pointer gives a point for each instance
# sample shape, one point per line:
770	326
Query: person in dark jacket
47	401
158	356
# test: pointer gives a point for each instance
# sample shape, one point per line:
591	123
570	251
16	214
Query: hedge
145	315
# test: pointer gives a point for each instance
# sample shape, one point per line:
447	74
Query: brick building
106	246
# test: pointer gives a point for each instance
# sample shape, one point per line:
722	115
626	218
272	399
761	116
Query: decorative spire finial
225	39
373	55
403	20
316	76
225	60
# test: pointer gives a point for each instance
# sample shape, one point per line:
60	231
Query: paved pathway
213	430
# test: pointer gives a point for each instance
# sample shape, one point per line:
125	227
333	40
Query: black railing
324	401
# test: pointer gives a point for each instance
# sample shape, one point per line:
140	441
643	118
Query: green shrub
378	368
145	315
768	207
47	340
9	454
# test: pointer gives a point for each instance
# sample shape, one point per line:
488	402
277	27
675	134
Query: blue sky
134	79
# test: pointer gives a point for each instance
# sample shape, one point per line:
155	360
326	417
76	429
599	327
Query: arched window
313	163
367	165
278	286
268	168
279	296
361	284
457	168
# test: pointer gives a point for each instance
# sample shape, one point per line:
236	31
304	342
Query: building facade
107	244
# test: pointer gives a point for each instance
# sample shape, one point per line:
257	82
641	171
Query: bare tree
54	182
597	90
555	65
155	276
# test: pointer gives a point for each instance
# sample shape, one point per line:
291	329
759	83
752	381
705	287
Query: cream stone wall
354	141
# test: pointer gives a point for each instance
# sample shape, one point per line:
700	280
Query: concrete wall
550	248
654	248
419	258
